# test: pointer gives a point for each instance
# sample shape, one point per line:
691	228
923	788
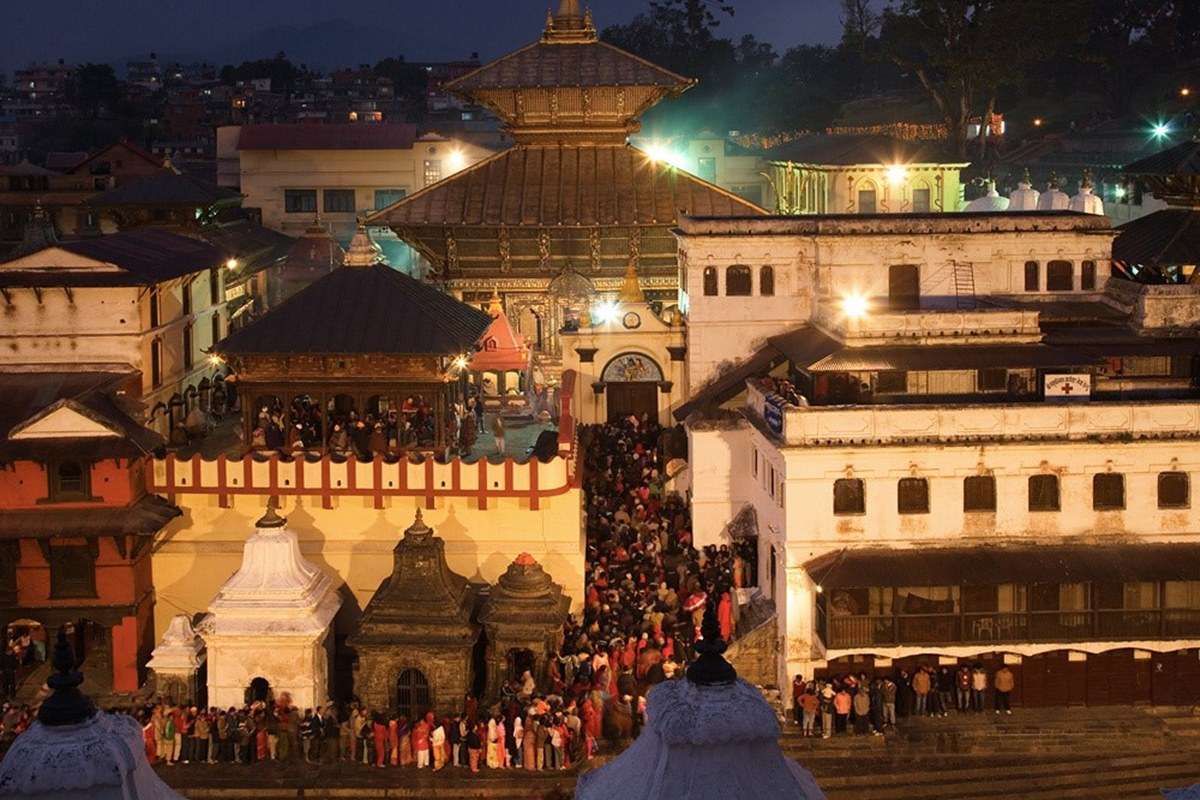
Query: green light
1161	130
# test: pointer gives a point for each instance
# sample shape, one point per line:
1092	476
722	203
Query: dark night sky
328	33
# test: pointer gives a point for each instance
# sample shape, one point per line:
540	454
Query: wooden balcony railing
1023	626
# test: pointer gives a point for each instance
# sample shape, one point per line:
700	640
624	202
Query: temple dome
1086	202
362	251
990	201
1024	197
179	648
1053	199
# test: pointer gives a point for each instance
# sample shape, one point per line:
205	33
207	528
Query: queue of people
862	705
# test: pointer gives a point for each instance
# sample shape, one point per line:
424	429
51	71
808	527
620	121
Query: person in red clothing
798	687
420	742
725	615
379	731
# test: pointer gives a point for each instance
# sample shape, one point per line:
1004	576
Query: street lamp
855	305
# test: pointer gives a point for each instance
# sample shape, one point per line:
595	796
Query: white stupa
1024	197
1053	199
1086	202
271	621
710	736
176	660
990	201
74	752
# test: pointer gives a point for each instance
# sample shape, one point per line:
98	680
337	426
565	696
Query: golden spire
631	287
494	307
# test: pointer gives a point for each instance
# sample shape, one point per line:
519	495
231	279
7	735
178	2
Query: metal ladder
964	284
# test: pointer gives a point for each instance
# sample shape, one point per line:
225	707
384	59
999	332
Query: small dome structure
1053	199
1086	202
270	621
990	201
73	751
362	252
1024	197
709	737
177	659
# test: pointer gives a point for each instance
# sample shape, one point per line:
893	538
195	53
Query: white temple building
1086	202
177	659
989	201
1053	199
1024	197
267	630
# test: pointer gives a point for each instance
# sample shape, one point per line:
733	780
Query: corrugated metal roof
392	136
565	185
357	310
568	64
1169	236
984	566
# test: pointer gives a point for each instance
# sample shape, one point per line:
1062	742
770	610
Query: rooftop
834	150
144	256
168	188
301	136
899	224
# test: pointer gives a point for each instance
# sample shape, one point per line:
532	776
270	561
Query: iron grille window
710	282
412	693
1174	490
339	201
1033	276
979	493
300	201
849	496
912	496
737	281
433	171
1043	493
1060	276
1108	491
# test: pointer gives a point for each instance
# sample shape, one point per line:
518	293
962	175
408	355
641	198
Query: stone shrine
416	638
177	662
523	617
267	630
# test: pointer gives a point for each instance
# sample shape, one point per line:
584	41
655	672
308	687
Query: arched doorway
412	693
259	690
519	660
631	382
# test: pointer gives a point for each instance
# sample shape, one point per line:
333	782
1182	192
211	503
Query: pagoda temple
557	218
523	616
362	346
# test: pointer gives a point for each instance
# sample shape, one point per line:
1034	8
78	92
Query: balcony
847	632
884	326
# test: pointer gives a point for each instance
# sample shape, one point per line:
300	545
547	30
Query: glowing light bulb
896	174
457	160
606	311
1161	130
855	305
231	263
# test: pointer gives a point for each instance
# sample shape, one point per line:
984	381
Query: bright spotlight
461	362
855	305
607	311
1161	130
1119	192
215	360
231	263
896	174
457	160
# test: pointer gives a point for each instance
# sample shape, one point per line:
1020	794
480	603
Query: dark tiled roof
168	188
147	255
327	137
25	169
1168	236
860	149
1182	159
64	160
255	245
565	185
145	517
356	310
991	565
28	394
574	64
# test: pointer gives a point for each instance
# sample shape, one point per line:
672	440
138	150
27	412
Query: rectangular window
1060	276
433	171
866	201
1087	276
754	463
216	329
706	168
912	496
388	197
1108	491
979	493
156	363
920	203
1181	594
771	482
992	379
1043	493
893	381
187	297
72	571
214	286
1033	276
848	496
1174	490
69	481
339	201
154	321
300	201
187	346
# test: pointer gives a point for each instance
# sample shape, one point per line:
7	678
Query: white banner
1073	385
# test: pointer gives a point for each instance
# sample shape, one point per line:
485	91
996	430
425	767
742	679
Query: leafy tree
94	89
282	72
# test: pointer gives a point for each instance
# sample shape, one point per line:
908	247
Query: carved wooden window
1108	491
72	571
766	281
70	481
1060	276
979	493
710	282
738	281
1174	490
849	496
1043	493
992	379
912	496
1033	276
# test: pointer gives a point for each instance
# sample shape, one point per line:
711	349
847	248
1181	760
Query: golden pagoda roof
565	185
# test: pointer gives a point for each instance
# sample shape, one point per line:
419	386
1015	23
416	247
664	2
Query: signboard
773	413
1065	387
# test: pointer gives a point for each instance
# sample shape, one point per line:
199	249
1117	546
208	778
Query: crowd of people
380	431
870	706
